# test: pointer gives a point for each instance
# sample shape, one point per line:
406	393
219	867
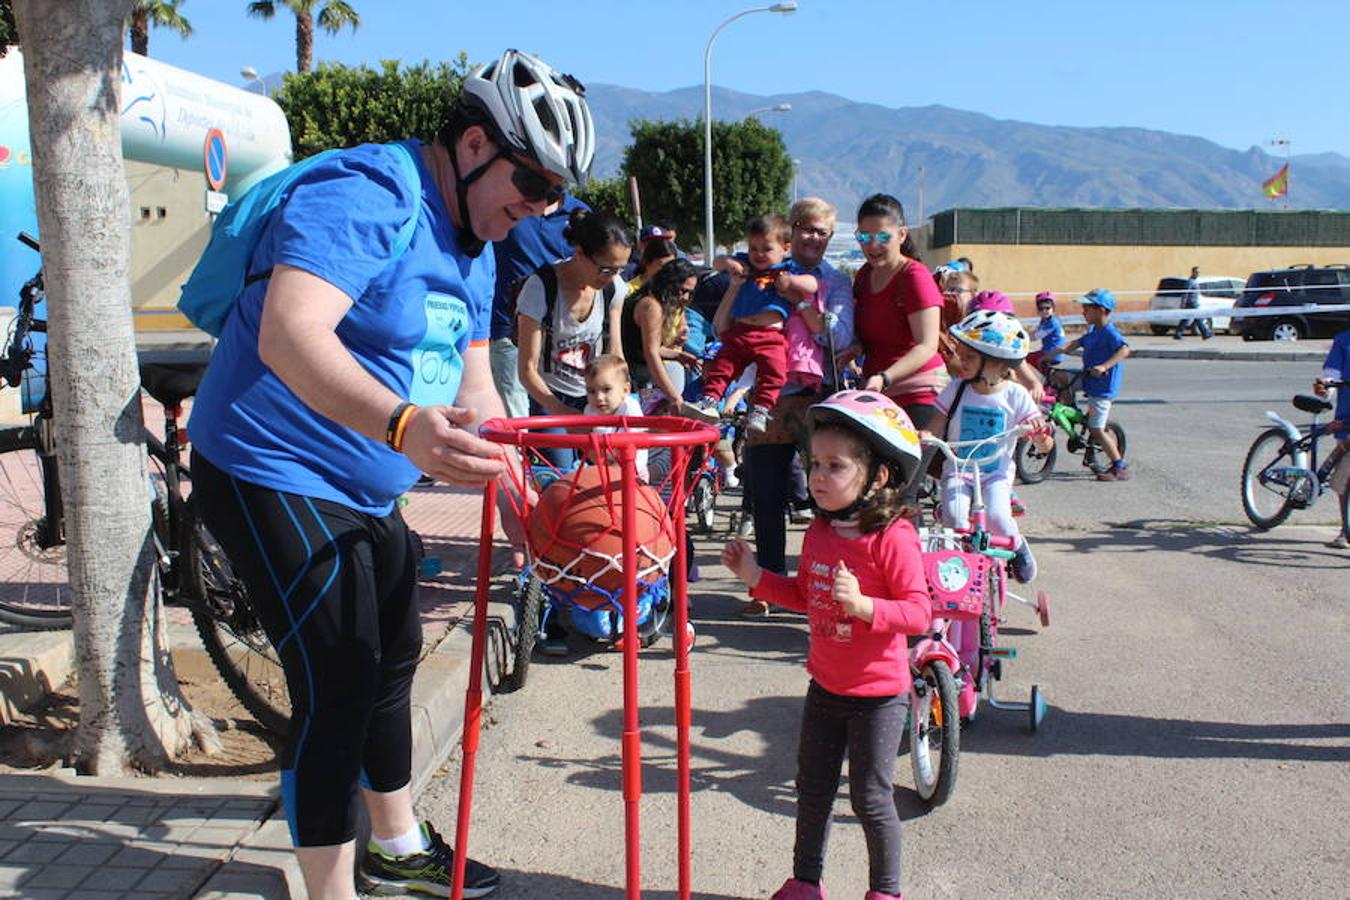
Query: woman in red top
897	312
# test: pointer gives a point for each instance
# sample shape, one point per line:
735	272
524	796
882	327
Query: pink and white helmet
878	420
993	301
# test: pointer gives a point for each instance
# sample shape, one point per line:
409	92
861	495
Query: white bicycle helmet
992	333
540	112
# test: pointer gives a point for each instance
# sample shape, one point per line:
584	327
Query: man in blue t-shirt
347	369
532	243
1336	369
1104	351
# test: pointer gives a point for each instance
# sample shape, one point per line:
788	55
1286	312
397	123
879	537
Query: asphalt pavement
1195	746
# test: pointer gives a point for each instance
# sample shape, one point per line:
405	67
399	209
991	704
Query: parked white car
1216	292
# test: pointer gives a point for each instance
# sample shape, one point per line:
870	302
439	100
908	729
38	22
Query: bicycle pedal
1004	652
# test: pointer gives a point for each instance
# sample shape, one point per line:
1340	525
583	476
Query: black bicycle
193	570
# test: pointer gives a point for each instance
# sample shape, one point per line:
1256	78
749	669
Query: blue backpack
221	274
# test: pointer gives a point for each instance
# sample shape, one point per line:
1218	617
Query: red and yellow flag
1277	185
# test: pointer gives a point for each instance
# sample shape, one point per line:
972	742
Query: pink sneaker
793	889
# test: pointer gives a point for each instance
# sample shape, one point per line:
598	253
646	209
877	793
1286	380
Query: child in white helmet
984	402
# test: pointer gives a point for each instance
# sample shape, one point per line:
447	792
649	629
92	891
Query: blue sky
1238	72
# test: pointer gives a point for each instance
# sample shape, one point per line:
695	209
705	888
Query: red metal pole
632	738
680	588
473	697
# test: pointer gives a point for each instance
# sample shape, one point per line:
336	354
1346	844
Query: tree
334	15
8	33
161	13
131	712
751	174
341	106
608	194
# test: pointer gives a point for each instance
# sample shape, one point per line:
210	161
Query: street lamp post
789	6
781	107
796	170
252	75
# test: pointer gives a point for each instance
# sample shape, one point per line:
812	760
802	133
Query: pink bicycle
960	659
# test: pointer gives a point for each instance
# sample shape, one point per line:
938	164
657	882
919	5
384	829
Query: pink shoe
793	889
878	895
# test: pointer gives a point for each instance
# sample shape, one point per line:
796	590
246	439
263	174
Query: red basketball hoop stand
682	437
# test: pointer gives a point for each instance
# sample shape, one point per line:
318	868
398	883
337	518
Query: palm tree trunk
131	713
304	42
140	32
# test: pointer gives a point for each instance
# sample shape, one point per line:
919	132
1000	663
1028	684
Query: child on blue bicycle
862	587
983	403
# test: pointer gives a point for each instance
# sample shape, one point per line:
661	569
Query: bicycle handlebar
948	448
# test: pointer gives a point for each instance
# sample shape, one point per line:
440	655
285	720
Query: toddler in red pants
765	286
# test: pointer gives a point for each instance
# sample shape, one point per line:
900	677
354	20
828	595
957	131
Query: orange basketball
576	535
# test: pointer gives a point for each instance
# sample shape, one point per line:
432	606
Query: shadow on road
1236	543
517	885
1069	732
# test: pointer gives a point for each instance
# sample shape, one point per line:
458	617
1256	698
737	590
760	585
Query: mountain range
847	150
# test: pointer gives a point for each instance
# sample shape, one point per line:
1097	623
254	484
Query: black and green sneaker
430	871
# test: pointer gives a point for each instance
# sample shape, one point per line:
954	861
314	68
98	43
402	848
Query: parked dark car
1295	286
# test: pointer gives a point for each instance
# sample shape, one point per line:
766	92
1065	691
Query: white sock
405	844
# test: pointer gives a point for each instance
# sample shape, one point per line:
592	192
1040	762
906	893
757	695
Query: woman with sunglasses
652	331
565	321
897	312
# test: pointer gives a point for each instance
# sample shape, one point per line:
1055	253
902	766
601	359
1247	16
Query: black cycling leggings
335	591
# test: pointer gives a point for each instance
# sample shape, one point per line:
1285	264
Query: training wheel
1036	707
1043	608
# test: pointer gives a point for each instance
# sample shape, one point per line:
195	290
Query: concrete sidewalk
66	836
1226	347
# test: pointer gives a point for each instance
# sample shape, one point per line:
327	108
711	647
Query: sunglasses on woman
604	270
533	186
867	237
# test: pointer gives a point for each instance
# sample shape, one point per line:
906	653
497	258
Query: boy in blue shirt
1104	350
1334	369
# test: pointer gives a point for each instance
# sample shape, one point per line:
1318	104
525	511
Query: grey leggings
869	728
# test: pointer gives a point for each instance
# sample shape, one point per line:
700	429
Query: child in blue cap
1104	352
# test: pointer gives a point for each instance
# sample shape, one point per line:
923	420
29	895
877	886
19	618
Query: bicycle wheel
527	599
230	632
1267	494
1118	435
935	733
34	581
1033	465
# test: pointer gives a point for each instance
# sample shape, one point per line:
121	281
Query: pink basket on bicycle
956	583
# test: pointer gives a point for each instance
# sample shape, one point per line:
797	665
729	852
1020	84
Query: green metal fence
1135	227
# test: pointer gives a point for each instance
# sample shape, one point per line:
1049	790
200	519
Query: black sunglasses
533	186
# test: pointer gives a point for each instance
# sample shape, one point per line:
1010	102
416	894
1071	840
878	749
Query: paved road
1196	744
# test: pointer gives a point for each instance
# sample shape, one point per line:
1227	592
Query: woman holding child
897	313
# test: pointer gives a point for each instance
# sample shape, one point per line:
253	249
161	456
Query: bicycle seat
1309	404
171	376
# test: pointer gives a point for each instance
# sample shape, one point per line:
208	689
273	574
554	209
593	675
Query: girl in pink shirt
861	584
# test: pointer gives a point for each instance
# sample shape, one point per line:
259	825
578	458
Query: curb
1216	353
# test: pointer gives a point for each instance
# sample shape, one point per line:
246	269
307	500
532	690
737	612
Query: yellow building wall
1132	273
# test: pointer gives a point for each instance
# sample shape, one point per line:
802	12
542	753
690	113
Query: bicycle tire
1118	434
233	638
703	501
1251	483
935	725
528	602
1031	464
34	580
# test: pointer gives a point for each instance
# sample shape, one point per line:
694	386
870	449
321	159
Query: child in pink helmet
861	585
